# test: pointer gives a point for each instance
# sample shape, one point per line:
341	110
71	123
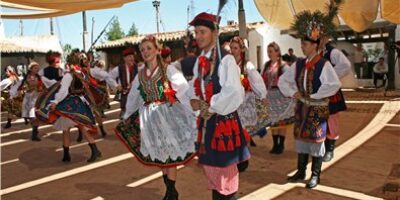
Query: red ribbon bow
204	65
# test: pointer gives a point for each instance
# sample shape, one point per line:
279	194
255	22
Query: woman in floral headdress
281	109
253	85
167	125
32	86
9	100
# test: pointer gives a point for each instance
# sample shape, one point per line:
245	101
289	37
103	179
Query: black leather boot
315	172
218	196
281	144
252	143
329	148
8	125
165	178
172	193
66	157
302	161
242	166
103	132
95	153
35	133
26	121
80	136
275	139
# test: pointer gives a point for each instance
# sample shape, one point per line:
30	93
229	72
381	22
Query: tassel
238	141
199	136
221	145
230	144
235	127
213	144
198	122
246	135
228	127
218	131
170	95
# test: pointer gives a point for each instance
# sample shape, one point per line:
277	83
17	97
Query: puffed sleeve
330	83
63	91
5	83
134	100
231	95
179	84
286	83
47	82
342	64
256	81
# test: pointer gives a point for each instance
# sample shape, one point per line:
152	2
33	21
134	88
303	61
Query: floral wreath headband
242	42
152	39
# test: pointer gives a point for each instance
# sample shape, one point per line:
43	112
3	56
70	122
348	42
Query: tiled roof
169	36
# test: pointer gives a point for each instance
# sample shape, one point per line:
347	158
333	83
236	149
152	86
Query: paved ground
366	164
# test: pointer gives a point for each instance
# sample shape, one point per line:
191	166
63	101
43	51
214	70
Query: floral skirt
160	135
12	106
281	109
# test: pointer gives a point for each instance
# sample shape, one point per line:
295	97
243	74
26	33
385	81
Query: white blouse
47	82
64	89
330	82
341	62
178	83
232	92
256	81
101	75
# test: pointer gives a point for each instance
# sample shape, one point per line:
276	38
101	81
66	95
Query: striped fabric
225	180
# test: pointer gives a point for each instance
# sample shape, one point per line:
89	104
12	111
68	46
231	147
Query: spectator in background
359	61
380	69
166	55
187	63
287	59
292	56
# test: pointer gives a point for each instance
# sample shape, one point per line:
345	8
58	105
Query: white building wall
266	34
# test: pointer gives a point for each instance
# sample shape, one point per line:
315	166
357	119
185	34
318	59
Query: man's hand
297	95
118	88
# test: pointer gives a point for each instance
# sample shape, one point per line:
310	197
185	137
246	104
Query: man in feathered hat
218	93
311	81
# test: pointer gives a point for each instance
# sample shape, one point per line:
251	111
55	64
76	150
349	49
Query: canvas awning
53	8
357	14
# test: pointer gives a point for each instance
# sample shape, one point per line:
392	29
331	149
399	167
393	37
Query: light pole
242	20
156	5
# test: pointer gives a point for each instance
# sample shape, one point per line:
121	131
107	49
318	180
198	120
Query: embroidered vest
309	118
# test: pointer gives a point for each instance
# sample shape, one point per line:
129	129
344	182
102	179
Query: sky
173	15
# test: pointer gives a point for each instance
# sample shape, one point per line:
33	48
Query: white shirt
101	75
114	74
178	83
5	83
256	81
381	69
342	64
47	82
330	82
64	89
232	92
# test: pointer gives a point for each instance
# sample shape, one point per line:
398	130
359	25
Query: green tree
115	32
133	31
67	48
